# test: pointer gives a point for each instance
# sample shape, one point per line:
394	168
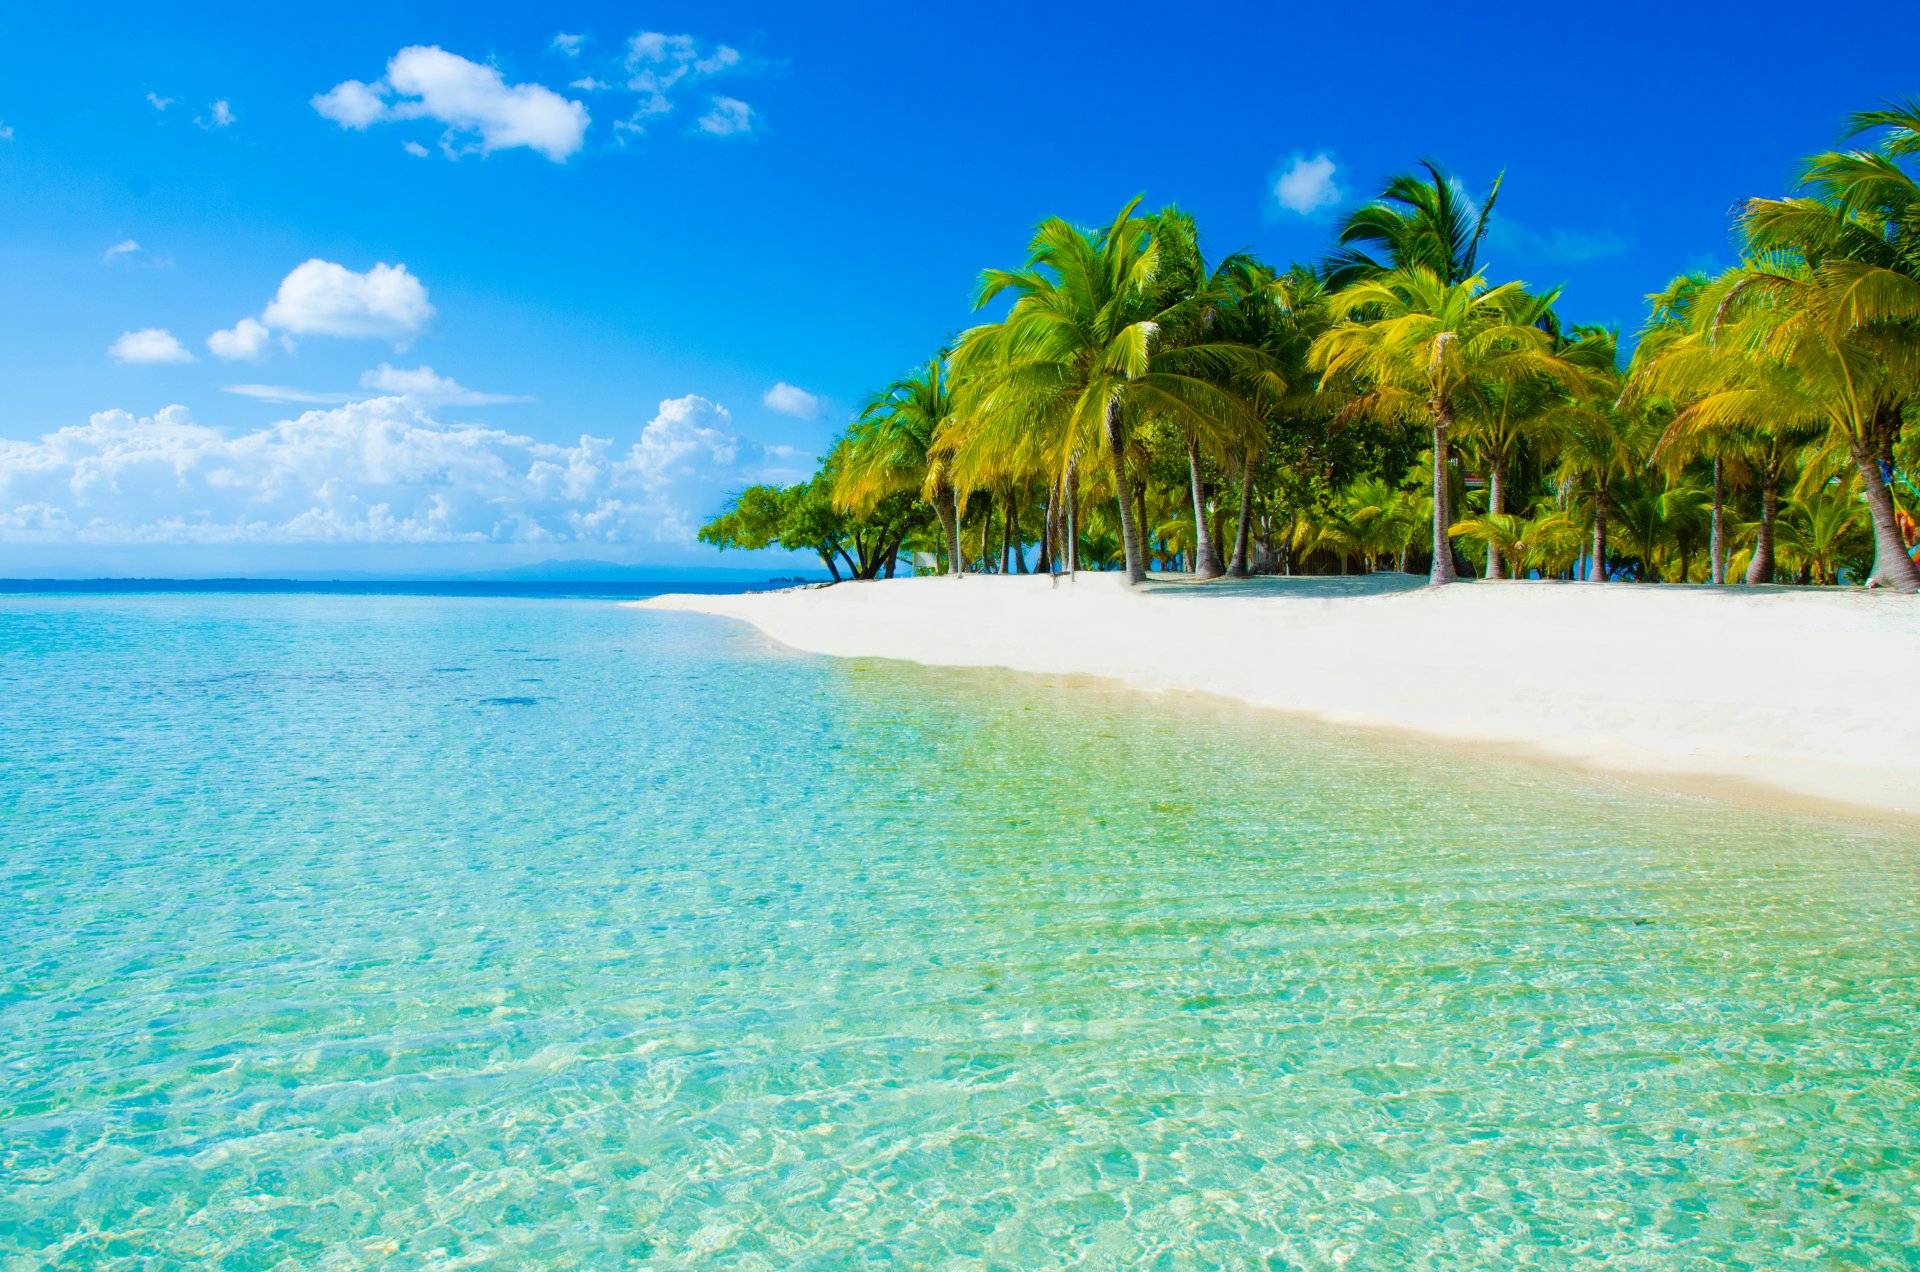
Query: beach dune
1805	693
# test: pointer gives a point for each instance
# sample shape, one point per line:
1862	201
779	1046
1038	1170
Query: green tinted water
357	932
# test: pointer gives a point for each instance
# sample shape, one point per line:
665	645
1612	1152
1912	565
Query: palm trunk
826	554
1892	567
1010	536
1141	525
1049	528
1443	571
1072	497
950	522
1123	495
1717	548
1760	569
1237	568
1496	496
1597	572
1205	559
1286	545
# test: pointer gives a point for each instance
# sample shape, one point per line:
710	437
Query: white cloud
590	85
423	384
415	149
657	63
148	345
218	115
481	110
788	400
1307	185
324	299
729	115
125	247
379	471
245	341
568	45
352	104
287	393
158	102
6	132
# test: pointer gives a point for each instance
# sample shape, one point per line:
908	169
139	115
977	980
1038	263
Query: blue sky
491	295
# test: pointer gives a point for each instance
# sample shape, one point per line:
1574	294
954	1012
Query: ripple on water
727	956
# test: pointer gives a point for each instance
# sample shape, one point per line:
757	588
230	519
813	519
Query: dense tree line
1140	407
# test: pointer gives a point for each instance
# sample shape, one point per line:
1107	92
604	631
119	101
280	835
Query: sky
454	287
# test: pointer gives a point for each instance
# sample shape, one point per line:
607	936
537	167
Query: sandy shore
1811	694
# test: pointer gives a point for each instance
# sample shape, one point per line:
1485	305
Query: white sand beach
1805	693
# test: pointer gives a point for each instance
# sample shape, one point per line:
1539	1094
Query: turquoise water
349	932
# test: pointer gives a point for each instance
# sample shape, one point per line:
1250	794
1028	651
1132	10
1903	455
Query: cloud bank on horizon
382	470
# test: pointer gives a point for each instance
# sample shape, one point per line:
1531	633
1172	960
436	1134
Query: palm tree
1834	299
1412	342
1417	223
1822	528
1081	353
896	445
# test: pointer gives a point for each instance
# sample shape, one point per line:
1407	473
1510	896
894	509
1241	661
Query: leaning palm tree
1080	354
1412	343
896	445
1834	298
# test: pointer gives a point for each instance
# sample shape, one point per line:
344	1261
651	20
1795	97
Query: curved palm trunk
1717	546
1237	568
1206	558
1892	567
1443	571
1760	569
1598	571
1496	498
1123	495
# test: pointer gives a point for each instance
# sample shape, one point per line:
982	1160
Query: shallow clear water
369	931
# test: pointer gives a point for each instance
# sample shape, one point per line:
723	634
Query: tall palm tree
897	445
1080	353
1418	222
1413	343
1835	299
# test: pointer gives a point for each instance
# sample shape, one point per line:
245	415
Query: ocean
425	928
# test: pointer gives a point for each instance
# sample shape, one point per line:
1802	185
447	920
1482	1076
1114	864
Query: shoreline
1786	698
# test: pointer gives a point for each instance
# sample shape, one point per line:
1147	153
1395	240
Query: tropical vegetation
1138	407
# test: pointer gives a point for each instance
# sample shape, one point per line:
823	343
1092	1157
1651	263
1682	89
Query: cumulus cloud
727	116
148	345
379	471
158	102
788	400
327	299
218	115
567	45
1307	184
481	111
245	341
125	247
